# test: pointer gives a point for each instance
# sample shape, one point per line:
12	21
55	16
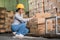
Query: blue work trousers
20	29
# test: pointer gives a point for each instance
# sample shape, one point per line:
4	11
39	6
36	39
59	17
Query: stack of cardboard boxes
37	25
9	20
38	6
6	19
35	6
2	19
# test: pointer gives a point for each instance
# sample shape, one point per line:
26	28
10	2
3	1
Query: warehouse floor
8	36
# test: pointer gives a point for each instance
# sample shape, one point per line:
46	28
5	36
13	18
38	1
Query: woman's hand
33	17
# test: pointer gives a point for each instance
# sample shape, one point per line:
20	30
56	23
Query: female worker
19	24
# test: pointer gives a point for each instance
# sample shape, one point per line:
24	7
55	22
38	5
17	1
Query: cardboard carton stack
37	25
35	6
38	6
9	20
2	19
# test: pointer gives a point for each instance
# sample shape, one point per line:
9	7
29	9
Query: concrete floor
8	36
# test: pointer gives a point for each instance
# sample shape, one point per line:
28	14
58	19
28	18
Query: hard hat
20	6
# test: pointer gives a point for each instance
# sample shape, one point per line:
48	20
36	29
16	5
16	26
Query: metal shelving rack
56	24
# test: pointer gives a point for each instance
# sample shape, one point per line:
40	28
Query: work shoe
14	33
18	36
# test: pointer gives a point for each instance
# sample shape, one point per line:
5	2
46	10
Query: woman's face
21	11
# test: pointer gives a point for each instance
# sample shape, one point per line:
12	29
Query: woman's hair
17	9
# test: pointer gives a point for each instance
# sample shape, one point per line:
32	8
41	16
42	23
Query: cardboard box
2	21
2	16
41	26
42	15
1	26
58	14
3	11
32	30
39	15
10	14
40	20
2	30
8	28
41	32
53	1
